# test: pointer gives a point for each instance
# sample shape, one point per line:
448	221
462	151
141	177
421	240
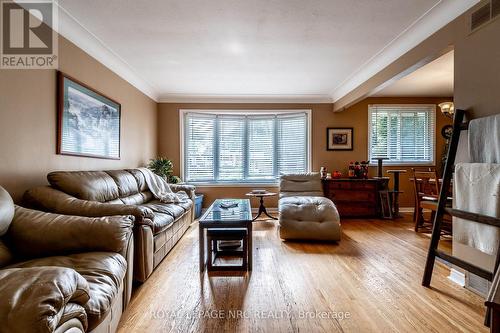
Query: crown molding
264	98
434	19
70	28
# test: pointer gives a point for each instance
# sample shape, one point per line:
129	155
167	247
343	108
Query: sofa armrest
51	200
189	189
34	234
35	299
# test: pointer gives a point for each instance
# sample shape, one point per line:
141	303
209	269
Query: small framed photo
339	138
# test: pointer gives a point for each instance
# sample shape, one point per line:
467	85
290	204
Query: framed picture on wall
339	138
88	122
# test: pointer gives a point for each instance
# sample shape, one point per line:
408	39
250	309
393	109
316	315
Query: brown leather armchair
62	273
158	226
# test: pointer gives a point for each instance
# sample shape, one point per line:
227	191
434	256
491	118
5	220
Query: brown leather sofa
158	226
62	273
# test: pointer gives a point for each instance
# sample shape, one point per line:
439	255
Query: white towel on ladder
477	189
484	139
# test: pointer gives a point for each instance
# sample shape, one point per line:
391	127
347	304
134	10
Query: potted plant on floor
164	167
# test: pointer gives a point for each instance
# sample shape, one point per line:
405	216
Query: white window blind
200	143
292	142
227	148
231	147
405	134
261	146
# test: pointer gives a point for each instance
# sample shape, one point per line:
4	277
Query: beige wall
322	117
28	121
477	71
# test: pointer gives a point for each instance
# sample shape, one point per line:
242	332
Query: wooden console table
356	197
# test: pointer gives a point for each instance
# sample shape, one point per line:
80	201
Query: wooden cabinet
356	197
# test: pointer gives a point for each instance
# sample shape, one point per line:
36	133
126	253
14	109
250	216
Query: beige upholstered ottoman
309	217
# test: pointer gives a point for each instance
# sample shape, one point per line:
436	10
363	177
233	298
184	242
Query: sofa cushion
134	199
161	222
174	210
147	195
104	272
186	205
127	184
166	213
139	177
86	185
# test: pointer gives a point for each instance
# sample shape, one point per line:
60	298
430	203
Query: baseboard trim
457	277
406	209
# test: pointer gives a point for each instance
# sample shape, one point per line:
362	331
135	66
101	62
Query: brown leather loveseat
62	273
158	226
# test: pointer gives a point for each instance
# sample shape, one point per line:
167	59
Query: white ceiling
432	80
241	50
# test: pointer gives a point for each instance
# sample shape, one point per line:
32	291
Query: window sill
403	164
248	185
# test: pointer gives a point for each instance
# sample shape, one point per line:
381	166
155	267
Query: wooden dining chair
426	188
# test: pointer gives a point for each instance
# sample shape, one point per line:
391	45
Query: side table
262	208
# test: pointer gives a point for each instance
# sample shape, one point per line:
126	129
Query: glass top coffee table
218	217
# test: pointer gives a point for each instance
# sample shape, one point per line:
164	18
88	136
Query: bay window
234	147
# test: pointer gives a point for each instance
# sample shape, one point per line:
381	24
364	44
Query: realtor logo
27	38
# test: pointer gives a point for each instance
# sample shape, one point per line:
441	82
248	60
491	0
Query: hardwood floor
369	282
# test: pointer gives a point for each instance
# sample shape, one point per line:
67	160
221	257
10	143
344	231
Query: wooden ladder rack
458	126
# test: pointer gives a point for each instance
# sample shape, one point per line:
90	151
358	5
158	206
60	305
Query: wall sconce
448	109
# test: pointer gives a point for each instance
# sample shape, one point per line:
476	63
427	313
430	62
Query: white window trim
182	113
387	163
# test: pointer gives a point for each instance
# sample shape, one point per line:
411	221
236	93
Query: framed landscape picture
88	121
339	138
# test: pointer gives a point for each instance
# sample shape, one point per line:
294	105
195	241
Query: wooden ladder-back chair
426	188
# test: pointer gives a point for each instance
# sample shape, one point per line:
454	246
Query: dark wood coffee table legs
262	210
201	240
204	246
214	235
250	246
217	219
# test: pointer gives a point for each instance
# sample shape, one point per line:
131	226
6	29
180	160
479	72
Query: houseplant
163	167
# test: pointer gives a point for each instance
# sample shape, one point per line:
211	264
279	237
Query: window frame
403	163
250	112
